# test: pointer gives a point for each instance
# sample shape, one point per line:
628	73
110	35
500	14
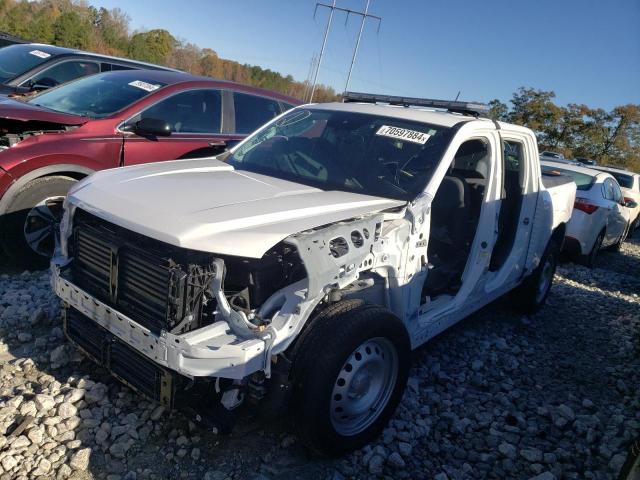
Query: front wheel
530	296
28	230
349	372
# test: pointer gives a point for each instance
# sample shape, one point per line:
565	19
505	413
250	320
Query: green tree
72	30
153	46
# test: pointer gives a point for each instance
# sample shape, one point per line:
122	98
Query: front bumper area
210	351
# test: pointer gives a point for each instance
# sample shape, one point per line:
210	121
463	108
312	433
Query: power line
348	11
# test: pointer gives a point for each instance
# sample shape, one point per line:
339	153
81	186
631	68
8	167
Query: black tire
589	260
530	296
618	245
320	360
21	214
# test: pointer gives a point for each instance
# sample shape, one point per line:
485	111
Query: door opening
511	202
455	216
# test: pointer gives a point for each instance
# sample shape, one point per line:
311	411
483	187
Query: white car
302	267
600	218
630	185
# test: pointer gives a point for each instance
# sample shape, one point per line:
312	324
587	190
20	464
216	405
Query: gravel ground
498	396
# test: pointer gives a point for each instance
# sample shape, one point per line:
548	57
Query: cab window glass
252	111
607	189
194	111
64	72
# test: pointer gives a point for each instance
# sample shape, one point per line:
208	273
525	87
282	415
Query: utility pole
355	50
324	43
348	11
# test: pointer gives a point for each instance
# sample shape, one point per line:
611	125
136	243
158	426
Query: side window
252	111
194	111
607	189
514	161
617	193
65	72
120	67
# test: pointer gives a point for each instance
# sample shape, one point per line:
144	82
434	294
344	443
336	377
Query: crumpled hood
22	111
206	205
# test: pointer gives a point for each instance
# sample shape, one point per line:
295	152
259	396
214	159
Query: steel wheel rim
42	224
363	386
546	277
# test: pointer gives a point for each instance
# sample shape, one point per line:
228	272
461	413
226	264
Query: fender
18	183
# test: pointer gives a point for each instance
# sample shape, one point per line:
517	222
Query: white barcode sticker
148	87
403	134
40	53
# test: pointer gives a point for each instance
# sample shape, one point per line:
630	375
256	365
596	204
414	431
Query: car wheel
29	229
531	295
618	245
589	260
349	371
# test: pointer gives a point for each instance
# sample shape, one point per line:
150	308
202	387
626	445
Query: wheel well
74	175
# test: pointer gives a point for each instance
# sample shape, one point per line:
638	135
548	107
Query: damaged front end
13	132
197	330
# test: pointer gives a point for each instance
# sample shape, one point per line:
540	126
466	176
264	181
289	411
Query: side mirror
153	127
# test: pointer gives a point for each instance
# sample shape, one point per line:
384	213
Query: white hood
206	205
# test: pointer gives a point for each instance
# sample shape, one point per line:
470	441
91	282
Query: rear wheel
618	245
530	296
29	229
589	260
349	372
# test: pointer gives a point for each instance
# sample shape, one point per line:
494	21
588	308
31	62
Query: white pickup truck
301	268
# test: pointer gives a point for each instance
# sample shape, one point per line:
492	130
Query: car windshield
18	59
97	96
354	152
583	181
625	181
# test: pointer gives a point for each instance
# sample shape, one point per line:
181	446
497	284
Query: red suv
110	120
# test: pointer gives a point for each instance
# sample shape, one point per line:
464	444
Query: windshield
583	181
354	152
96	96
18	59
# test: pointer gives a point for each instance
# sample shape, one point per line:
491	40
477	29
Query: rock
195	453
96	394
404	448
75	395
25	337
214	475
43	468
80	459
44	402
376	463
544	476
64	471
9	463
616	463
507	450
532	455
396	460
36	435
60	356
157	413
67	410
566	412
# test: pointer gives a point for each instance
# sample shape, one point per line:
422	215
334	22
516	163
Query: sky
586	51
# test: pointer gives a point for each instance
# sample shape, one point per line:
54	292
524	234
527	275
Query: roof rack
466	108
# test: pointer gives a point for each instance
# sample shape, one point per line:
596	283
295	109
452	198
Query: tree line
610	137
76	24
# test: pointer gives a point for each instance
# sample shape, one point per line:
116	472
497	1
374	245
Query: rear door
196	120
619	214
253	111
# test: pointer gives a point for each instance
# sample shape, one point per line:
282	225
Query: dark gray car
32	67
